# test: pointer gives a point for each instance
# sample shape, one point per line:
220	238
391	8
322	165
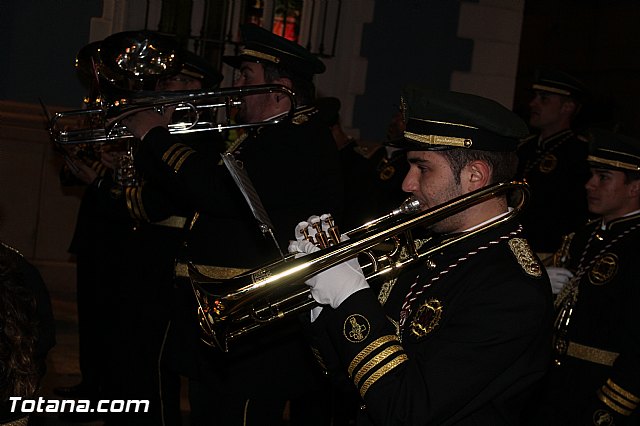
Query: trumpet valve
332	230
303	229
322	240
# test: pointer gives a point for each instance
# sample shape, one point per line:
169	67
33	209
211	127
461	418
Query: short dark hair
631	175
303	88
503	164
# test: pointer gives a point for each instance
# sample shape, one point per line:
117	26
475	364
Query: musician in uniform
595	378
461	336
372	173
294	167
553	161
142	288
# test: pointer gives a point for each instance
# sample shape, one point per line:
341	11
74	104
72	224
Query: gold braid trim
182	270
550	89
613	163
169	152
373	362
23	421
129	200
588	353
175	156
631	397
179	163
369	349
381	372
439	140
143	212
612	404
260	55
172	222
617	398
133	205
178	157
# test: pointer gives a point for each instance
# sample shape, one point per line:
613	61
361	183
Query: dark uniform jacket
373	182
556	170
476	339
295	170
144	226
598	380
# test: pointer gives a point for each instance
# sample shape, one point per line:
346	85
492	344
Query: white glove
335	285
558	277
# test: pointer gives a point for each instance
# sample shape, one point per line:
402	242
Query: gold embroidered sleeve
617	398
176	155
376	360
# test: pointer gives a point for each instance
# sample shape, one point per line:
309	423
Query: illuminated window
284	17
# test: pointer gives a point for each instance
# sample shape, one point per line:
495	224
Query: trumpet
231	308
104	123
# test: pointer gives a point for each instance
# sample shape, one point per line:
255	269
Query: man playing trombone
285	161
462	337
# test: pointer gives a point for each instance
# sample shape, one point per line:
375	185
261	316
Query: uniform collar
626	219
562	134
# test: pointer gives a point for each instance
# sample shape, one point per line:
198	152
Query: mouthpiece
410	205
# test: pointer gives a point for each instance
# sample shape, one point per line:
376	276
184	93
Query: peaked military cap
261	45
558	82
439	120
197	67
614	151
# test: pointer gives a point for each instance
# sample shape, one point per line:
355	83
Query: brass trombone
230	308
104	124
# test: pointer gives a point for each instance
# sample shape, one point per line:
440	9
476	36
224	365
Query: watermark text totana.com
41	405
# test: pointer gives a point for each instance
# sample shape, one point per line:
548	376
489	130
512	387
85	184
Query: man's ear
634	188
478	174
569	107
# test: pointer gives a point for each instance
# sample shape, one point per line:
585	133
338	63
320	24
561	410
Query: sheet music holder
252	198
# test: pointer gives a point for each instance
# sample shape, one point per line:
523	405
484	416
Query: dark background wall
596	40
409	41
39	40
